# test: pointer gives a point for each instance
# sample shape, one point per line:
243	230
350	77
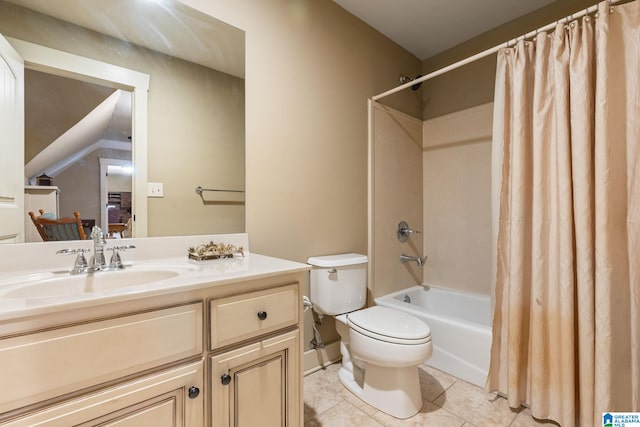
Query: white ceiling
428	27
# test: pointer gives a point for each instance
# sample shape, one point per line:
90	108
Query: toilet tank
338	283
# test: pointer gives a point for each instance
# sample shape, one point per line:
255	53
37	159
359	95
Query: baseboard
314	360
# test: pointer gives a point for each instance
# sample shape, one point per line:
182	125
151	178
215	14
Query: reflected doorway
116	186
70	126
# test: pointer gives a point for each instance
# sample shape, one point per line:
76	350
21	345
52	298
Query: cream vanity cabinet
219	355
90	360
257	384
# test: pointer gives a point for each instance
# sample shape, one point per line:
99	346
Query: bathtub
460	325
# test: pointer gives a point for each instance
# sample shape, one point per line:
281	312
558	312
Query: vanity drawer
42	365
244	316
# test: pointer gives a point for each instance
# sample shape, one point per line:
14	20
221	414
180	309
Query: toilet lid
389	325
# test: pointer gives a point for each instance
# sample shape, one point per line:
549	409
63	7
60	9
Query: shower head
404	79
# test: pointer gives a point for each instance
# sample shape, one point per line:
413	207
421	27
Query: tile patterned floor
448	402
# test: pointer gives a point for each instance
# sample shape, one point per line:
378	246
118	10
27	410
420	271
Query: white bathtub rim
389	300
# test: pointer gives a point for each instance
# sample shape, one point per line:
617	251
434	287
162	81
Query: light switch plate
155	189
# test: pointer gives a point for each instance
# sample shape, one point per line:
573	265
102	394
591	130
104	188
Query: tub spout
419	260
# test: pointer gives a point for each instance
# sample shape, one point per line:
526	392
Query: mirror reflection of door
116	197
70	125
11	136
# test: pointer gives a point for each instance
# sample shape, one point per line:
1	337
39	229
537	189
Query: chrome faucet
419	260
98	261
80	265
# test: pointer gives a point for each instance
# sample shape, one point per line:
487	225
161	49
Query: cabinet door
258	384
167	398
12	217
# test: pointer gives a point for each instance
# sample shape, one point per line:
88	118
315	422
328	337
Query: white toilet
381	347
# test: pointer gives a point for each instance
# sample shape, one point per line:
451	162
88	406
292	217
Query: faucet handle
116	261
80	264
68	251
123	247
403	231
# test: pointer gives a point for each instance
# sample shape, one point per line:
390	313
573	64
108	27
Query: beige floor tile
433	382
476	405
343	414
457	403
430	415
524	419
356	401
331	375
321	392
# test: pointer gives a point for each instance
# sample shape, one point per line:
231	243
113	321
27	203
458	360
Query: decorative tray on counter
215	251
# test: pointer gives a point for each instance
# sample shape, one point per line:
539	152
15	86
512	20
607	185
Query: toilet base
395	391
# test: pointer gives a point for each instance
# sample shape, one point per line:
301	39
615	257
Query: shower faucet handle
404	231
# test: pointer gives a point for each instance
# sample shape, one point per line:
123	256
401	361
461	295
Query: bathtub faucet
419	260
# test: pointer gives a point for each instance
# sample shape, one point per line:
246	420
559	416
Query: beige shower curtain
566	327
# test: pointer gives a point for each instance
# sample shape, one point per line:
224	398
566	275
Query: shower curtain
566	327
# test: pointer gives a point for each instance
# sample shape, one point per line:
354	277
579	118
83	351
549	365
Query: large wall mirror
81	131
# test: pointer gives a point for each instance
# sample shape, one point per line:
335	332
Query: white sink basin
60	284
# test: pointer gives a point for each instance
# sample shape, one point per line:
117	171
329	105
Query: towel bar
200	190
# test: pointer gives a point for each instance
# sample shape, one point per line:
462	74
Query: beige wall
196	123
457	200
210	153
310	68
397	196
473	84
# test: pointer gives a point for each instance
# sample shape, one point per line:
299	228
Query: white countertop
191	275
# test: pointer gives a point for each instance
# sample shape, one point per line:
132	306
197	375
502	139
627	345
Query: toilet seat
392	326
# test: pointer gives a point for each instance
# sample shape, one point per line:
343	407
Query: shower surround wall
396	194
457	200
436	175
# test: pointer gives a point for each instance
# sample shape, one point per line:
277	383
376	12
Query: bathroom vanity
215	343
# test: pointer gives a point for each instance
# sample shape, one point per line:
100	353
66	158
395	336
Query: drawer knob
193	392
225	379
262	315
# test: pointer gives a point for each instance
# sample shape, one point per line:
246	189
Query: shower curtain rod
490	51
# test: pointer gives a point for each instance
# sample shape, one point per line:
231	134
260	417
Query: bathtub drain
407	299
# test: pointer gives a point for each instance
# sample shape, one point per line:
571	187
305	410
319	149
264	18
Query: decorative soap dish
213	250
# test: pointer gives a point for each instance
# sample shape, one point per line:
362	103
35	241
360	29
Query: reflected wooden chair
57	229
